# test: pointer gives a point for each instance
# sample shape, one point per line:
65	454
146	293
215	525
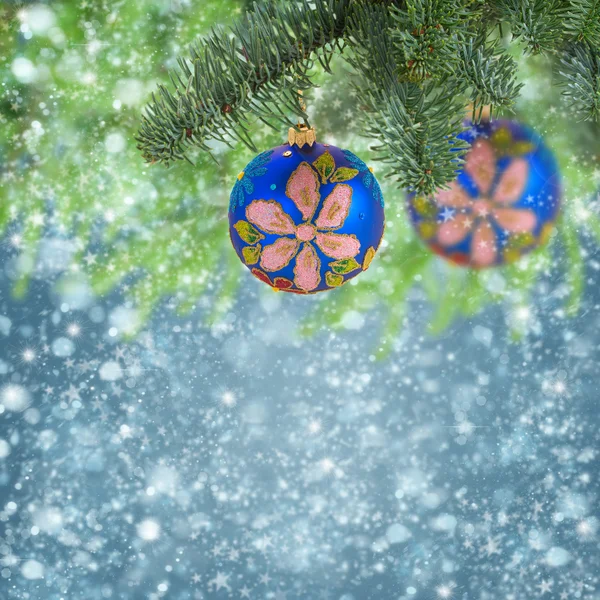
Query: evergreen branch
582	79
162	242
418	62
538	23
416	125
582	21
576	272
392	326
446	306
474	294
226	295
429	33
423	35
491	75
229	77
406	273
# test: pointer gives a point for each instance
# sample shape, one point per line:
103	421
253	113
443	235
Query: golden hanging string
302	134
301	101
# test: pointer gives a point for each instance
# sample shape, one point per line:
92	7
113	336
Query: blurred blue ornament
306	219
503	203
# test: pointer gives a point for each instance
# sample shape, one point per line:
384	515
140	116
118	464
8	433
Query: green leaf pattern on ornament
325	166
343	267
344	174
333	280
248	232
251	254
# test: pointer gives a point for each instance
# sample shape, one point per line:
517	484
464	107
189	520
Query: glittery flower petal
455	197
512	182
281	283
303	188
455	231
338	246
481	165
270	217
484	246
262	276
335	208
278	255
307	274
515	220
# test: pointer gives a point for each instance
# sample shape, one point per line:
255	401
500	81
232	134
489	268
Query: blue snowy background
240	461
223	454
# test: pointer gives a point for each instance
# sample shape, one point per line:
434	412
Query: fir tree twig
256	71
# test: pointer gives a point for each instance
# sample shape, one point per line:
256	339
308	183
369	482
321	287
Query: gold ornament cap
301	136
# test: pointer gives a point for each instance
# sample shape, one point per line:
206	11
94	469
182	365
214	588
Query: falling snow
153	455
195	462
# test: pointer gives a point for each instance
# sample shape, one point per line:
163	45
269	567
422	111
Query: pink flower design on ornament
492	205
297	241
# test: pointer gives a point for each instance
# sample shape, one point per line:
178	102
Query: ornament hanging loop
301	101
302	135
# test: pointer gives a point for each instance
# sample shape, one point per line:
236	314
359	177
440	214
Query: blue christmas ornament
502	204
306	217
